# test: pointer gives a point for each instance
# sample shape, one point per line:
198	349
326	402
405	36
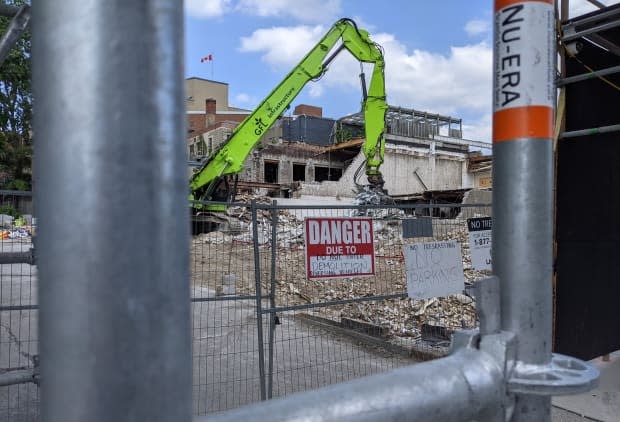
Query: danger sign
339	247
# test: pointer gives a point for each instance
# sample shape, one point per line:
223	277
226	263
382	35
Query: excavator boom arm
229	158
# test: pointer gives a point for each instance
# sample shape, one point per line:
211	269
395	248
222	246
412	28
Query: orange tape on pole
500	4
523	122
524	70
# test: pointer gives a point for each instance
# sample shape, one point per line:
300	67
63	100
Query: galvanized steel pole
467	385
111	198
524	97
259	304
272	294
14	31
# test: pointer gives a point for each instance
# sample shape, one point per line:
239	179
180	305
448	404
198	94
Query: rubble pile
232	252
405	317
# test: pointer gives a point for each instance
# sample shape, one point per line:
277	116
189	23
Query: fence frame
485	367
266	374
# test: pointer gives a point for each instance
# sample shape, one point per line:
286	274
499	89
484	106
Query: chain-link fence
18	309
261	327
315	332
225	345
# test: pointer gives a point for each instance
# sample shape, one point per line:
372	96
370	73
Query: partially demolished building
305	153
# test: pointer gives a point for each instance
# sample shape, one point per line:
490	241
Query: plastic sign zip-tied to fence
339	247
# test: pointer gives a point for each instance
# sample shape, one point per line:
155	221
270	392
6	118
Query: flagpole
208	58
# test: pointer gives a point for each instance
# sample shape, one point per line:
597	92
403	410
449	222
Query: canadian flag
206	58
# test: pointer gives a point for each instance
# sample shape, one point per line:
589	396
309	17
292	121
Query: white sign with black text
480	242
434	269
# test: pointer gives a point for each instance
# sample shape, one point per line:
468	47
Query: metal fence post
272	293
524	96
111	201
259	303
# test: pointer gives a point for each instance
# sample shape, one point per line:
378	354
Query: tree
16	113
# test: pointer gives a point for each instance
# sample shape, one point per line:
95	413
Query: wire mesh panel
309	352
261	327
325	330
18	314
224	311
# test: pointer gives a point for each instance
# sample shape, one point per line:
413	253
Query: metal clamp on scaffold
561	376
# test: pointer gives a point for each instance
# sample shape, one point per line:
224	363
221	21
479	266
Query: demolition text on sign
433	269
339	247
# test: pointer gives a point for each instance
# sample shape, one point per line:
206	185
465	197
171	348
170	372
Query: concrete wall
399	172
211	139
437	172
255	165
448	172
477	196
343	187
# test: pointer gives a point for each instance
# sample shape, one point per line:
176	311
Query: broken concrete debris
221	252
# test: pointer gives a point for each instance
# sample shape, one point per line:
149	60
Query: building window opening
271	172
200	148
322	174
299	172
335	174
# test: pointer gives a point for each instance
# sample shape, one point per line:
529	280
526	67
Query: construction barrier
265	326
313	331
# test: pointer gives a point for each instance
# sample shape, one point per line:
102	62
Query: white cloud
479	129
477	27
304	11
448	84
282	47
207	8
315	91
456	83
581	7
245	99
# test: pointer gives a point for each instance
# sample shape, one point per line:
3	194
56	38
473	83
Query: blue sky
438	53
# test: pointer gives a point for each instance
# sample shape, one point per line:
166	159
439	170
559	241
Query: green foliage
17	184
9	210
343	134
16	111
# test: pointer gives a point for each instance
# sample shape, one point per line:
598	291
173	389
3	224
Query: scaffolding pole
524	95
515	308
114	291
109	159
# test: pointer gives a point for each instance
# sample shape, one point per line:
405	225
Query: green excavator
216	178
